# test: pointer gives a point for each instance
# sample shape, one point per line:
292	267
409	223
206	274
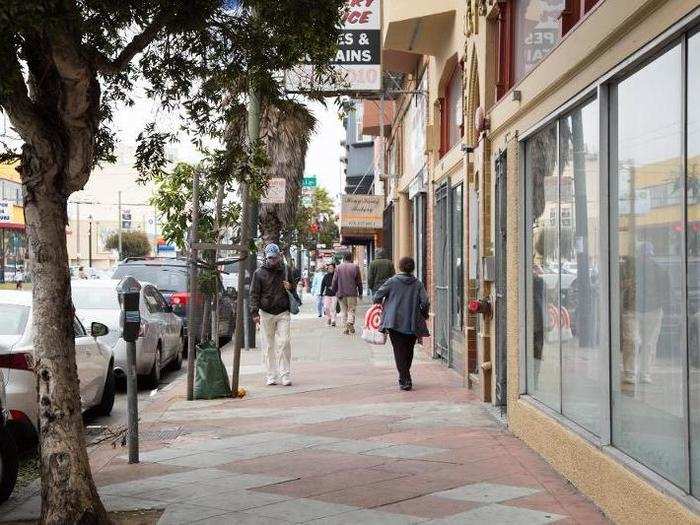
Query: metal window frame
603	89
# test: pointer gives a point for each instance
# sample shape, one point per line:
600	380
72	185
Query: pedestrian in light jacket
347	287
316	289
329	298
379	271
405	310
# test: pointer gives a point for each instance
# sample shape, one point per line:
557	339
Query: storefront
606	315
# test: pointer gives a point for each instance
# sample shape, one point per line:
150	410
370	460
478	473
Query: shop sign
276	191
357	61
5	211
417	185
361	211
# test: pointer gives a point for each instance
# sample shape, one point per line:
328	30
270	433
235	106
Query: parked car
161	339
9	461
94	359
170	276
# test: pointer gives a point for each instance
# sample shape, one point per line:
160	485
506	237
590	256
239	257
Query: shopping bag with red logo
373	320
558	324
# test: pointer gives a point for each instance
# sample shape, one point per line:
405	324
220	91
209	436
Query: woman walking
405	310
329	299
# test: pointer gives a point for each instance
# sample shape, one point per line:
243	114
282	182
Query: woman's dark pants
403	354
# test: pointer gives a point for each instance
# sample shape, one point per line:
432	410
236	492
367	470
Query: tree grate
164	434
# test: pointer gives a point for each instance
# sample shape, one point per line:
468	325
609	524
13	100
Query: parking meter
129	290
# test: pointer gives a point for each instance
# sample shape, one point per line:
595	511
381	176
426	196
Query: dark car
170	276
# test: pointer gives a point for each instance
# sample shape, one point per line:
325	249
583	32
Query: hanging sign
362	211
357	62
276	191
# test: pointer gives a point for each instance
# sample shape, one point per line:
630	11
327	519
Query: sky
322	160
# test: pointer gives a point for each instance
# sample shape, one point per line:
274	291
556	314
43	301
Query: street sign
276	192
309	182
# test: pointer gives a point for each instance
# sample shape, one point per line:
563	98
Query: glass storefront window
648	420
622	362
544	309
693	258
457	266
579	241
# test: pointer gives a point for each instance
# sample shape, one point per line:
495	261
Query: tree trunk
68	492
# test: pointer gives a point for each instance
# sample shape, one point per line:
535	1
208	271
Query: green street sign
309	182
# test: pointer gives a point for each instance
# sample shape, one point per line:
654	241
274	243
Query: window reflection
647	386
580	266
537	31
544	312
693	247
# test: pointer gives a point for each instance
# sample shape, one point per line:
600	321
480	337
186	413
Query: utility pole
77	229
90	241
191	305
119	206
246	238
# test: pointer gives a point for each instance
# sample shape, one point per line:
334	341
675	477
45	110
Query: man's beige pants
348	305
276	345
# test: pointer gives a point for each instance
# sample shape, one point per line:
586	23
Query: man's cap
272	250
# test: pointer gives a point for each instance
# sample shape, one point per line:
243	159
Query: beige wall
611	33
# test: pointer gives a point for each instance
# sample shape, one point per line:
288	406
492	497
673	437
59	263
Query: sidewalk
341	446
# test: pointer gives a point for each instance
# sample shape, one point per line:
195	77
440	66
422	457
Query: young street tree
64	64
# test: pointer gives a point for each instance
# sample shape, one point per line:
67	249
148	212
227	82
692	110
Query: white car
161	340
95	364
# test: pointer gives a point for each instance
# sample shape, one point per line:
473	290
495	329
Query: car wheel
154	375
177	362
9	464
107	402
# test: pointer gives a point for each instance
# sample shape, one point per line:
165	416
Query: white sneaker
286	381
271	381
628	377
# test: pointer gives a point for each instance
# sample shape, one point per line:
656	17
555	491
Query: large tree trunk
67	490
286	130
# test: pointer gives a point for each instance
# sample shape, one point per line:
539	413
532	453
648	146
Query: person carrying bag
405	311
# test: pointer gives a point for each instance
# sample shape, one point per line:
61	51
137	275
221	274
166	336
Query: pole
217	238
246	237
132	402
191	329
77	229
119	206
90	241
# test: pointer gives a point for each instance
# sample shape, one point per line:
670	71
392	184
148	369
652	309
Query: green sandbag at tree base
211	379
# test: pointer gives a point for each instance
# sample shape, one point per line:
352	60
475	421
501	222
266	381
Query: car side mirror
98	329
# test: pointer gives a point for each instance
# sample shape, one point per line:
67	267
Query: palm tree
286	129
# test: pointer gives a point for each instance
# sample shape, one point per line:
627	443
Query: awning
418	27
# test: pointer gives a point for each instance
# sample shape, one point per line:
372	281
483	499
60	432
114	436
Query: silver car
161	339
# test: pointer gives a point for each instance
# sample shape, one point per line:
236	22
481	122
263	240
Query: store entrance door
501	227
442	273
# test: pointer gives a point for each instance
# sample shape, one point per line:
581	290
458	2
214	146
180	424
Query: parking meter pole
132	403
129	292
191	328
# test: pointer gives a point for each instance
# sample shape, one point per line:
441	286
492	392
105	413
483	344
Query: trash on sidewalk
241	392
211	379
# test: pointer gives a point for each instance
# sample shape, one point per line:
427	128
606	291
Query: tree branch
111	67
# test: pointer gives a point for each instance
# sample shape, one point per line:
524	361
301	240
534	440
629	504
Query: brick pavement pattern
341	446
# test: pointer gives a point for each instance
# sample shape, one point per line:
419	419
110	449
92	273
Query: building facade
561	150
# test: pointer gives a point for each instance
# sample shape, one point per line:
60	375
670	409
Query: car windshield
93	298
165	278
13	318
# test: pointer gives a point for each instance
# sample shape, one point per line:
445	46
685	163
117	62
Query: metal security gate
442	273
501	227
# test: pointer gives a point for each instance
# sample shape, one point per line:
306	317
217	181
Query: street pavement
342	445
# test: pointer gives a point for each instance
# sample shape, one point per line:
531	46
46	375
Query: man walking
269	305
347	286
380	269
